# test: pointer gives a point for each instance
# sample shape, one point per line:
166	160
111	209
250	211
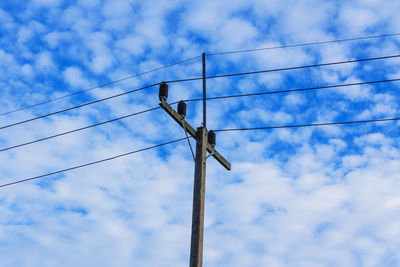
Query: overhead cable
291	90
303	44
184	138
294	68
90	163
305	125
77	130
99	86
200	78
76	107
193	58
192	100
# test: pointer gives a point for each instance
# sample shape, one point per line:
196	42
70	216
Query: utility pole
205	141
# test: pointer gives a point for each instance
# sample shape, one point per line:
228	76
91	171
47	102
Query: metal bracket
211	154
187	138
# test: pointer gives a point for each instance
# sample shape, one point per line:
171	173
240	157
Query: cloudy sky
313	196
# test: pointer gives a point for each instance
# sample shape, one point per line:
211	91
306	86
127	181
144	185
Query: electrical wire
193	58
184	138
76	107
100	86
91	163
303	44
291	90
283	69
305	125
200	78
295	68
192	100
77	130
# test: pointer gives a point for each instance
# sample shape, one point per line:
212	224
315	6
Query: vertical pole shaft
196	247
204	90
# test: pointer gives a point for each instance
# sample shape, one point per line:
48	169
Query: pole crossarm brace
188	140
181	121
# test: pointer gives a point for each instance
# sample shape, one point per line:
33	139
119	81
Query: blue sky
321	196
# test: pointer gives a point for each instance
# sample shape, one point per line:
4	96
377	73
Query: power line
75	107
305	125
303	44
283	69
192	100
99	86
299	67
77	130
200	78
193	58
91	163
181	139
290	90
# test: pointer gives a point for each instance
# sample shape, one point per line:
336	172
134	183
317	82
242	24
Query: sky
312	196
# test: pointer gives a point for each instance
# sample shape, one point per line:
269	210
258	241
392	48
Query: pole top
204	90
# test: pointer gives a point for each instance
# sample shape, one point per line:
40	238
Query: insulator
211	138
182	109
163	91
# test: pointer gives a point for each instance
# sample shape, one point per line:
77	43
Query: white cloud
75	77
89	3
358	23
101	55
294	100
133	44
44	61
46	3
24	34
72	15
239	33
5	17
357	92
53	39
27	71
295	197
116	8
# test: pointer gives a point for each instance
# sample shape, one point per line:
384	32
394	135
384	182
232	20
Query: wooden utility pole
205	141
196	247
